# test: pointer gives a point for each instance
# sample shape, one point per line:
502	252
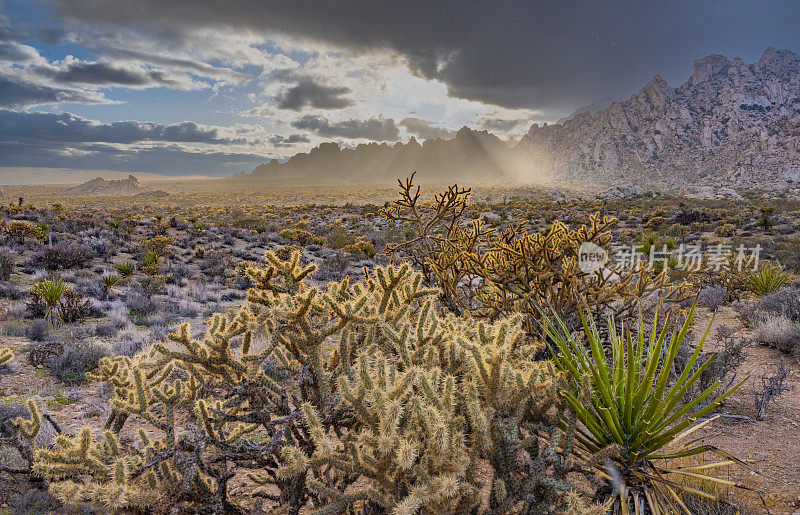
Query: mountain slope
475	156
730	124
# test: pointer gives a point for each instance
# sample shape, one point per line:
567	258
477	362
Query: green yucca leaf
629	401
628	410
766	280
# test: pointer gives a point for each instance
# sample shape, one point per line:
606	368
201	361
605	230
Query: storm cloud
67	128
308	93
165	159
288	141
373	129
552	56
424	129
16	93
100	73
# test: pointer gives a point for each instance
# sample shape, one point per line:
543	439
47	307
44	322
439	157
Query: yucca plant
109	281
766	280
50	292
634	424
125	269
150	258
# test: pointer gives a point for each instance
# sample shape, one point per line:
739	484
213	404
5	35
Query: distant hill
102	187
732	124
475	156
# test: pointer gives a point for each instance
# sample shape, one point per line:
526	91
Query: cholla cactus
491	274
309	389
5	355
20	229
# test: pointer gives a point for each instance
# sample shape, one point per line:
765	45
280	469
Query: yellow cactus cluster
306	389
21	230
489	273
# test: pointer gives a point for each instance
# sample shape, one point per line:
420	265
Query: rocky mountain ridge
471	155
730	125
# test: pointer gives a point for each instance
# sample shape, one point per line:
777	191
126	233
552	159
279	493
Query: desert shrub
140	304
725	230
119	315
334	268
215	263
657	222
91	288
106	329
160	245
301	236
779	332
767	279
7	262
13	328
151	285
326	385
101	246
338	237
688	217
232	294
784	301
772	385
10	290
177	272
361	247
71	364
38	331
72	308
62	255
631	418
129	342
712	297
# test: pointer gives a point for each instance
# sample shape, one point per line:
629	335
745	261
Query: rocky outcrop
102	187
732	124
474	156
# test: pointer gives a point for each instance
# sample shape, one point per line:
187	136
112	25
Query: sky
214	88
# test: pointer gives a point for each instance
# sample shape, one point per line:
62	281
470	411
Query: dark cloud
288	141
424	129
165	159
308	93
550	55
69	128
195	67
101	73
8	32
17	93
373	129
492	124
